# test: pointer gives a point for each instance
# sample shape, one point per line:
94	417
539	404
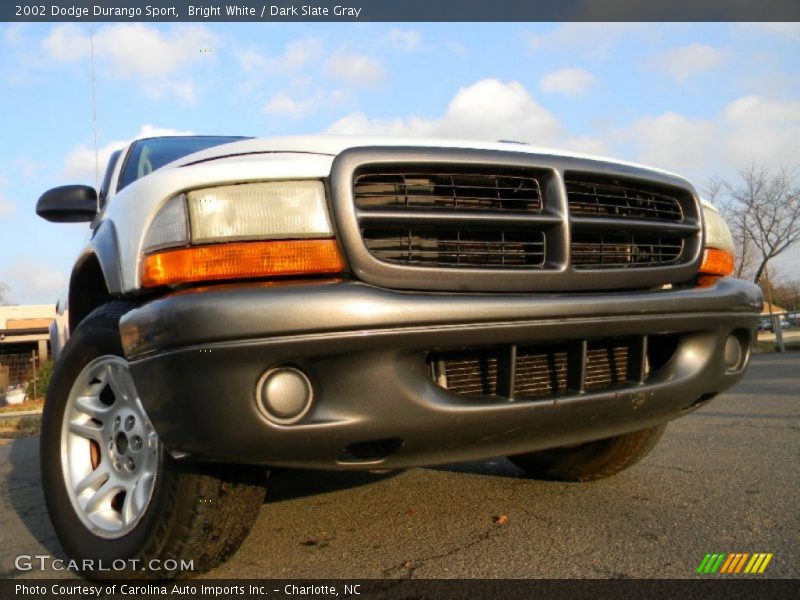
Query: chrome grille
622	199
503	221
458	248
622	250
447	191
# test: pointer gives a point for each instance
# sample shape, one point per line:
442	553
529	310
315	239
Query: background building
24	341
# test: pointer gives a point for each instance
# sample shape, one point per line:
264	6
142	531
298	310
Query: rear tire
112	490
593	460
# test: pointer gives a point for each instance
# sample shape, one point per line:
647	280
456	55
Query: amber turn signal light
242	260
717	262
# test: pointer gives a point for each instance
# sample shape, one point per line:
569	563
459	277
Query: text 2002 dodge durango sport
353	303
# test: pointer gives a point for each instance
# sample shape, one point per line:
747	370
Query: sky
702	100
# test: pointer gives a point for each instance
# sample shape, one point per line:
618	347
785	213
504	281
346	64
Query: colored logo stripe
711	563
723	563
758	563
734	563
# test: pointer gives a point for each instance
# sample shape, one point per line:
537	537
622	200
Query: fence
17	369
781	328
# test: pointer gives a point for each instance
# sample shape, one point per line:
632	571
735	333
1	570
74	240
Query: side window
102	193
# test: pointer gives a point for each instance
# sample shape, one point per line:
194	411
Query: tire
593	460
128	500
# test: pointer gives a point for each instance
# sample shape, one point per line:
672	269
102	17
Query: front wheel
593	460
114	495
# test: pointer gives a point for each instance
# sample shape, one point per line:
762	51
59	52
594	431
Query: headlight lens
718	234
258	211
718	254
251	230
251	211
170	227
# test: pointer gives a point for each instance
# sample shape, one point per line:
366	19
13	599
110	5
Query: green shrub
43	373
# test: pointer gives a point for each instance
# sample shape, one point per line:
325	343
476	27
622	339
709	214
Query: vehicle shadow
496	467
290	484
299	483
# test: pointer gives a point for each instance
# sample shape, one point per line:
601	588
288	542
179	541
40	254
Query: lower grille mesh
540	372
472	375
543	371
606	366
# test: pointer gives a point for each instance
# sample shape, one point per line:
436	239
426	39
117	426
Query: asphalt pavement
723	479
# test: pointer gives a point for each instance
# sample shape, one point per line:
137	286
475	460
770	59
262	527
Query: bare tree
763	212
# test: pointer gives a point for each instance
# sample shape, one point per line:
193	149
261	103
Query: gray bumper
197	357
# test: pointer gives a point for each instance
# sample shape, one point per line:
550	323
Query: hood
331	145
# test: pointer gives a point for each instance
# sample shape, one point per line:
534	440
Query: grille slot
606	365
540	372
456	248
547	371
447	191
471	374
622	199
623	250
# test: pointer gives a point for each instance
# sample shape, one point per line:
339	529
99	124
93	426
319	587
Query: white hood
331	145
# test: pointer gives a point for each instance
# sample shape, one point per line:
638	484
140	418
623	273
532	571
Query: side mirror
68	204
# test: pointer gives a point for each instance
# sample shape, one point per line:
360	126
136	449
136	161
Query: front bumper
197	356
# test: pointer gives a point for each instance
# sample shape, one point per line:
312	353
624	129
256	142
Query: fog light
733	353
284	395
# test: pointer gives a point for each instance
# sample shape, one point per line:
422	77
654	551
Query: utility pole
776	323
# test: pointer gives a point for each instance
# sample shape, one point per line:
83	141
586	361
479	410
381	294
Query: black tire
194	514
593	460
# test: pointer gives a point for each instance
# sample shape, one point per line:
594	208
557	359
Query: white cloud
408	40
762	129
568	81
67	43
596	40
137	52
585	145
355	70
295	56
672	141
755	110
14	34
33	282
489	110
79	164
282	105
751	128
689	61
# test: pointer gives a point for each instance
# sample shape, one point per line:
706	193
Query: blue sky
698	99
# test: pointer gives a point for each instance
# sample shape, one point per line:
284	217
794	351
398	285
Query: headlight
241	231
276	210
718	253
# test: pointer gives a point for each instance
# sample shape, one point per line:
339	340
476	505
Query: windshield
148	155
